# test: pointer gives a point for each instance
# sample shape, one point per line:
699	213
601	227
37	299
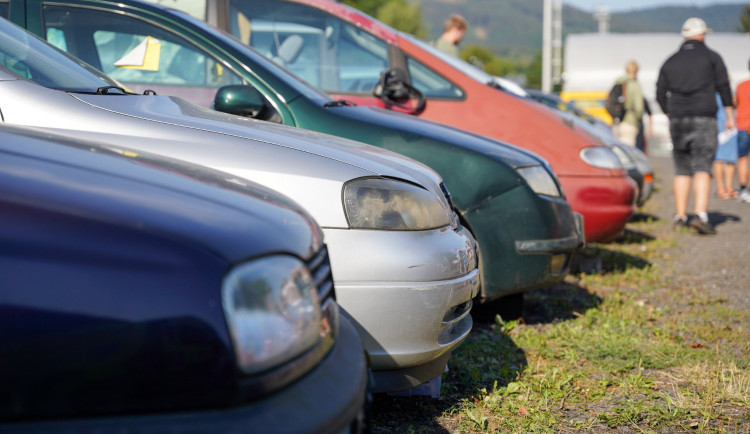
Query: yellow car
590	101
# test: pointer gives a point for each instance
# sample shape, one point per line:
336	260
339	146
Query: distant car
590	101
141	294
490	182
635	161
353	57
557	103
639	168
405	268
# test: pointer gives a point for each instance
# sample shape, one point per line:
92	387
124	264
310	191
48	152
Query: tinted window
317	47
4	10
137	53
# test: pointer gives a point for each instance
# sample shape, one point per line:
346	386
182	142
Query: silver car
404	267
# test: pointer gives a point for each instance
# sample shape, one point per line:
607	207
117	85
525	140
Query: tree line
407	17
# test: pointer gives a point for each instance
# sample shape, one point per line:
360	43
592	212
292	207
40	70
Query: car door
140	54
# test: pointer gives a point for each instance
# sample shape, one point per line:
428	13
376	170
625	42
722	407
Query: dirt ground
718	263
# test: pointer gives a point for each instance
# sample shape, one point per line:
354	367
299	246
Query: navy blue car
138	293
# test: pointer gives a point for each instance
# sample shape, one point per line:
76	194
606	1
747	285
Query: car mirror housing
394	89
240	100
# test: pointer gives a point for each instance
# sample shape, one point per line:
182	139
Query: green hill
513	28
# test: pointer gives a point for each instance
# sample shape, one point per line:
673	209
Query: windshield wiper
338	103
104	90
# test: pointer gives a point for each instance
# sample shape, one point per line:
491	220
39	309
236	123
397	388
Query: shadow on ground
718	218
641	217
561	302
487	356
634	237
598	259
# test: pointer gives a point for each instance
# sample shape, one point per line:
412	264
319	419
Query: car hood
200	208
179	112
497	150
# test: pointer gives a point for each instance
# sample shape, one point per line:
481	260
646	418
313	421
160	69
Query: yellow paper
145	56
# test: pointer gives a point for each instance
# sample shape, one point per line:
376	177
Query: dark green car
508	198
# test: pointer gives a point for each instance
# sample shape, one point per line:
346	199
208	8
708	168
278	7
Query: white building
593	61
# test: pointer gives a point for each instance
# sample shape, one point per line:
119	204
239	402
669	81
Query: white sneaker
744	196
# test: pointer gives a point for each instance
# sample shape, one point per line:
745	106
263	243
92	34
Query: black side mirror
394	89
239	100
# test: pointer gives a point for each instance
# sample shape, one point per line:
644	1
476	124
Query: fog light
456	331
557	263
457	312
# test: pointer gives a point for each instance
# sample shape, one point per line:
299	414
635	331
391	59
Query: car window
137	53
5	10
429	82
321	49
456	62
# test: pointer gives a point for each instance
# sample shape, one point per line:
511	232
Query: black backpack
615	103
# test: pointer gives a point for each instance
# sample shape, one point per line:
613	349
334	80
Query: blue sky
620	5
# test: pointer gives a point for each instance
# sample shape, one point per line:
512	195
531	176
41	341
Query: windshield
27	56
458	63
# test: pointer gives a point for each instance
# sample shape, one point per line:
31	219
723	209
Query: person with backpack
685	90
625	105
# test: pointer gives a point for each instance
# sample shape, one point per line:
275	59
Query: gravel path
718	264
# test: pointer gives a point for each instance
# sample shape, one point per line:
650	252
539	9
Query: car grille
320	267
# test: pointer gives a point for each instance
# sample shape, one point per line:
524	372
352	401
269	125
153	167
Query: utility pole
556	42
551	44
601	15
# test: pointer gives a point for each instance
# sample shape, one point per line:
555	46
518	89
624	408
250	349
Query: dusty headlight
272	310
602	157
375	203
540	180
623	156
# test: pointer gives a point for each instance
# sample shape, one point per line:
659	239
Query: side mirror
240	100
394	89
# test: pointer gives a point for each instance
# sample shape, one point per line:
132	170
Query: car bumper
526	241
606	204
341	377
638	179
646	190
411	301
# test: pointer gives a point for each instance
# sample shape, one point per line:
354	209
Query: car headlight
623	156
540	180
376	203
602	157
272	311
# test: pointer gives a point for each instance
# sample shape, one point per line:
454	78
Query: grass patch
625	358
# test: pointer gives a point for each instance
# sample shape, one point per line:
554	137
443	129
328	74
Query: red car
346	53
